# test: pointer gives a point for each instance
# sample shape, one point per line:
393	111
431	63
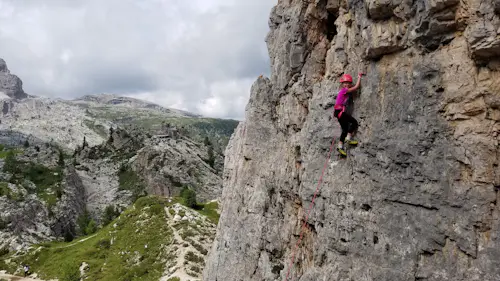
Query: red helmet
346	78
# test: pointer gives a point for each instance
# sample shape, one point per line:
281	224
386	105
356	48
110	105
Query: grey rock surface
10	85
71	205
166	163
29	220
169	163
418	198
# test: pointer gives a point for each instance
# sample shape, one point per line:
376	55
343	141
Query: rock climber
26	270
348	124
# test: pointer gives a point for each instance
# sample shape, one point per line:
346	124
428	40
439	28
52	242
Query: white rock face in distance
68	122
10	85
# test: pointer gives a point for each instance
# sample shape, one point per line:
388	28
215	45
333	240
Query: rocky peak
418	198
10	84
3	66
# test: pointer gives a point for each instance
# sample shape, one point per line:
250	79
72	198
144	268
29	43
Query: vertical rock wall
10	85
417	199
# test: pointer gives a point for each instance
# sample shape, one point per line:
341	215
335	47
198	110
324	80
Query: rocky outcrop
52	121
13	138
170	163
165	163
418	198
10	84
71	205
23	223
26	219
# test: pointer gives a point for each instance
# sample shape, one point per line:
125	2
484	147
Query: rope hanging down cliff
310	208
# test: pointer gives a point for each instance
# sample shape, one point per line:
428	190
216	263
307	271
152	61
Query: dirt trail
180	272
9	277
76	243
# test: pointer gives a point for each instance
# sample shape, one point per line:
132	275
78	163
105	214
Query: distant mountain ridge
113	99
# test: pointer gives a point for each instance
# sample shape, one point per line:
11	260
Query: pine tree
111	131
84	142
10	164
61	158
206	141
211	156
189	197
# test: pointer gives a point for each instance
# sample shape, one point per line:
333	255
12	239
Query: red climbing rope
310	208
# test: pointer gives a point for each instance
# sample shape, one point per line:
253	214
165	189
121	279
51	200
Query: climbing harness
310	208
338	107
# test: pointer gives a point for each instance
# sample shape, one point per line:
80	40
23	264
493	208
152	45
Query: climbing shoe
341	151
351	142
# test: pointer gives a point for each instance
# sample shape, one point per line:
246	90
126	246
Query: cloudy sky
196	55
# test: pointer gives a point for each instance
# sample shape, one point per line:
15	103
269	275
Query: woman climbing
347	122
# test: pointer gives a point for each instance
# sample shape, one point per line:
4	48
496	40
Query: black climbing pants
348	123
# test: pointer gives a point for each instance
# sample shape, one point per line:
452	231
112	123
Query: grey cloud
154	47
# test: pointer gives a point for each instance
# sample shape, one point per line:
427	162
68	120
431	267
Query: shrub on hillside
3	224
60	161
189	197
70	273
110	213
211	156
86	224
10	164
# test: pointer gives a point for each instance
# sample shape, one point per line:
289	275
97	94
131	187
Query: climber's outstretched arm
358	83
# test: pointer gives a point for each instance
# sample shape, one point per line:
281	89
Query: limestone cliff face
71	206
169	163
29	220
418	198
10	85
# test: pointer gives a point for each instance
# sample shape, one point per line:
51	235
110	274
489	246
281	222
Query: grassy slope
117	254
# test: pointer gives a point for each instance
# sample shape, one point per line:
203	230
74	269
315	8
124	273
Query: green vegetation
4	189
211	156
210	211
189	197
3	224
110	213
10	194
60	160
198	247
187	233
4	152
47	180
196	269
86	224
129	180
194	258
196	128
136	250
170	279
